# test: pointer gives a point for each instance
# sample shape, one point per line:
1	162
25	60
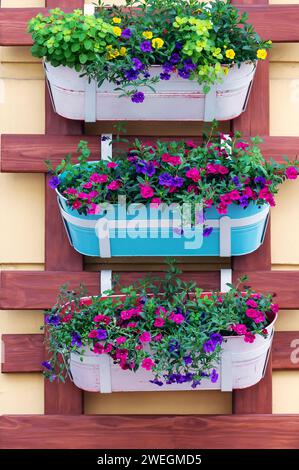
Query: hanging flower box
178	63
172	199
153	341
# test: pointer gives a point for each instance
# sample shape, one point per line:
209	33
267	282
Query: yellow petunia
261	54
117	31
123	51
230	53
147	34
157	43
116	20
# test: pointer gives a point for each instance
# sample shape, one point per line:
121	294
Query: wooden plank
24	353
150	432
27	153
39	289
263	17
285	350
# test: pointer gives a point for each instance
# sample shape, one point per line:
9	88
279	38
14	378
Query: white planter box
242	365
175	99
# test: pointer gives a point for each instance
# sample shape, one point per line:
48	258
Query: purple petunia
178	46
244	201
156	382
214	376
47	365
126	33
183	73
76	339
146	75
209	346
260	180
189	65
178	181
164	76
146	46
102	334
131	74
167	67
236	181
195	383
138	97
54	182
146	168
216	338
138	65
187	360
166	179
174	346
207	231
52	320
175	58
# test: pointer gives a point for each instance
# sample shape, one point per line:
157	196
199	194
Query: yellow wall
22	235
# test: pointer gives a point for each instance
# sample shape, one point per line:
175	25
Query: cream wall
22	235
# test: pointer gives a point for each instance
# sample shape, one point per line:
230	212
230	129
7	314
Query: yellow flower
147	34
116	20
230	53
112	53
123	51
157	43
217	53
117	31
261	54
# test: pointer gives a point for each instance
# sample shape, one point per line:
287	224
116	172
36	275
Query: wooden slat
150	432
263	17
24	353
38	290
27	153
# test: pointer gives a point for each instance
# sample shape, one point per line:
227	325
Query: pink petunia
87	185
234	195
247	191
71	191
102	319
114	185
240	329
178	318
193	174
76	204
222	208
145	337
160	311
112	165
156	202
251	313
97	178
159	322
274	308
120	339
93	194
158	337
93	209
251	303
291	173
260	317
146	191
249	337
147	363
93	334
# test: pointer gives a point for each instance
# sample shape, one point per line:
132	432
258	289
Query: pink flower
82	196
249	337
112	165
223	170
147	363
173	160
93	194
156	202
76	205
158	337
93	334
145	337
102	319
98	348
222	208
72	191
87	185
251	303
247	191
211	168
264	193
66	318
114	185
138	347
127	314
177	318
226	199
122	354
96	178
242	145
108	348
251	313
159	322
208	202
132	324
120	339
193	174
160	311
274	308
240	329
291	173
190	143
93	209
265	331
146	191
192	189
260	317
234	195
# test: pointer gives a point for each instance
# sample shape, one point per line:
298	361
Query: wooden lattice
252	423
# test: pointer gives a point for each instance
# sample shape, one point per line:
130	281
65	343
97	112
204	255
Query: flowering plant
176	335
213	174
197	40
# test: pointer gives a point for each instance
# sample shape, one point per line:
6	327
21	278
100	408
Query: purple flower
146	75
260	180
157	382
104	138
178	46
47	365
236	181
102	334
146	168
52	320
165	179
164	76
126	33
175	58
195	383
167	67
131	74
243	201
189	65
146	46
216	338
138	65
187	360
214	376
138	97
207	231
54	182
209	346
174	346
76	339
183	73
178	181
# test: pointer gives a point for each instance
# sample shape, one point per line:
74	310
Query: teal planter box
239	232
